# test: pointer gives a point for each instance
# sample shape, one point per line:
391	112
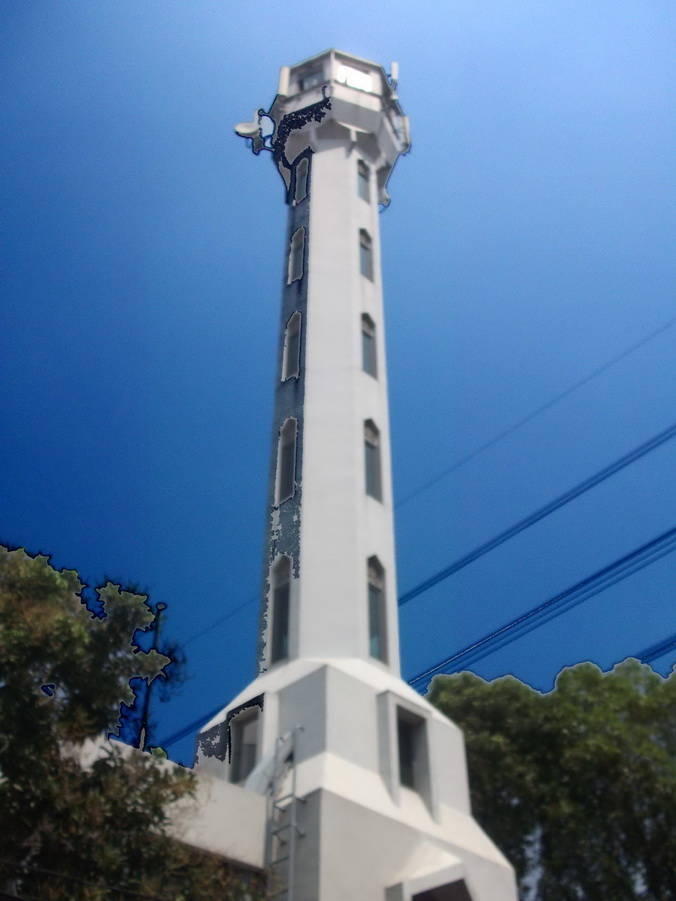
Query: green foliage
578	786
77	821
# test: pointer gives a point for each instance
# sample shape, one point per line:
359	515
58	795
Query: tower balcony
364	109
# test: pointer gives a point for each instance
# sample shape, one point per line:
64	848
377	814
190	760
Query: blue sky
529	241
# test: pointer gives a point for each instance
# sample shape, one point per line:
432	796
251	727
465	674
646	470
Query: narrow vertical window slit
286	461
296	255
376	610
281	592
363	180
291	357
301	180
365	254
372	460
368	345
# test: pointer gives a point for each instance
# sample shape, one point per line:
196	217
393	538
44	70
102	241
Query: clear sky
530	240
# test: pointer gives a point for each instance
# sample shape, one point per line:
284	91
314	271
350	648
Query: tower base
379	785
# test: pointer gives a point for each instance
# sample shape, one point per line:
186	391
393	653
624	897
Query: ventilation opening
452	891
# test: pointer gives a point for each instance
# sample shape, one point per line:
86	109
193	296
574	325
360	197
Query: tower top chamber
363	106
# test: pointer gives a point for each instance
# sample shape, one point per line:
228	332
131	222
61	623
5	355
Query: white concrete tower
368	783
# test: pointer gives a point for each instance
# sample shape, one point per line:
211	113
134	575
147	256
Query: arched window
372	460
291	361
368	345
281	591
365	254
301	180
376	602
296	255
286	461
363	180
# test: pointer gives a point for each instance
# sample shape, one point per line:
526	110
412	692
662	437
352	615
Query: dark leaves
578	786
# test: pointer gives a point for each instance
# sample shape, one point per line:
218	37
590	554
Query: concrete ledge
224	819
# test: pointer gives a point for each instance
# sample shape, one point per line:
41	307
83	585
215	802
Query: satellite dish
249	129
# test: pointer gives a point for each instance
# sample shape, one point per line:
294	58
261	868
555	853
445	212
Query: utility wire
533	414
409	595
575	492
503	536
552	506
657	650
659	550
177	736
474	453
459	564
570	602
218	622
186	730
599	581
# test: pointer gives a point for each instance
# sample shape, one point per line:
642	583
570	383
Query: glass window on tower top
355	78
310	79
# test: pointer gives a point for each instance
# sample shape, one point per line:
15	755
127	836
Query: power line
582	591
218	622
177	736
645	656
466	459
186	730
570	495
533	414
657	650
459	564
520	526
551	507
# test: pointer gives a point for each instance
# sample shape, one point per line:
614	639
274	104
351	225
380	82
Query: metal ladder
283	830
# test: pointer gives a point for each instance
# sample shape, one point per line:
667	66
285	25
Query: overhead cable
218	622
457	465
558	502
533	414
191	727
582	591
499	539
622	568
657	650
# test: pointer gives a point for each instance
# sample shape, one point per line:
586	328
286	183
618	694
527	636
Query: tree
578	786
73	828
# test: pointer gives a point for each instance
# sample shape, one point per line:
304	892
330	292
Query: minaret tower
367	781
